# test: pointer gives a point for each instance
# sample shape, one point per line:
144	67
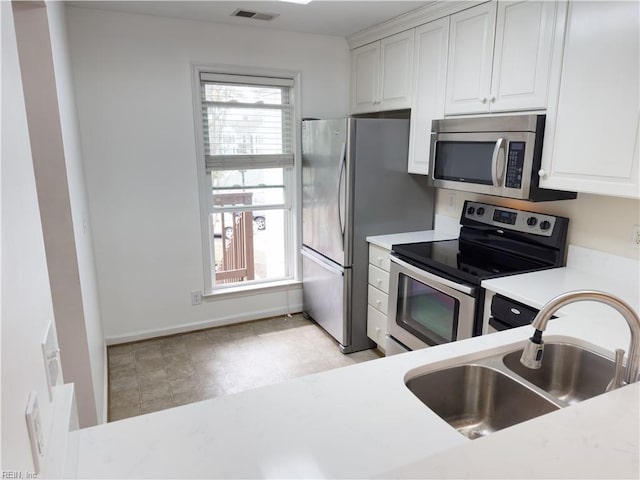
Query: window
247	139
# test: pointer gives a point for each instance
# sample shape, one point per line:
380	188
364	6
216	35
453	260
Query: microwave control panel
515	165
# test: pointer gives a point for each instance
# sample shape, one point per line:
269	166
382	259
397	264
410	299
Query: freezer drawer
325	294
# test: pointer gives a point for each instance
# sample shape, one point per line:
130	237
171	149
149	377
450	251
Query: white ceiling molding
413	19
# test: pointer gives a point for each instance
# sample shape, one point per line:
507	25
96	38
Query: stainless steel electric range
435	294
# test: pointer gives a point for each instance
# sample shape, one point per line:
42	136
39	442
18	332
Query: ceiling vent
254	15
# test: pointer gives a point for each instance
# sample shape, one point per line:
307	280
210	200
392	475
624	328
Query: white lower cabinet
378	295
376	326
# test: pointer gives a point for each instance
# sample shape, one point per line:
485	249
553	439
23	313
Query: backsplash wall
596	222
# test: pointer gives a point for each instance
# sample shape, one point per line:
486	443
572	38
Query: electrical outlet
196	297
635	236
34	426
451	200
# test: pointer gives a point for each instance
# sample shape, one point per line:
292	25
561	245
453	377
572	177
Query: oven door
492	163
426	309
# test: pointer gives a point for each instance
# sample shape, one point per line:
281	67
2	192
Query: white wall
595	222
133	87
79	203
27	307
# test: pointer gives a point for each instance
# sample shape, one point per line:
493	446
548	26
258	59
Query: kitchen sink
478	400
495	392
568	372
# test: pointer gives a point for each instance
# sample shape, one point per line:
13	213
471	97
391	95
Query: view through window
247	126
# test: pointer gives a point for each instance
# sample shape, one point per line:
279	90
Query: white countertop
362	422
445	228
387	241
585	270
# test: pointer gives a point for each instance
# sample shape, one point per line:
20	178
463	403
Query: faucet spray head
533	351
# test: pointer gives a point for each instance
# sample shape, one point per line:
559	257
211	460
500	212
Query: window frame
292	229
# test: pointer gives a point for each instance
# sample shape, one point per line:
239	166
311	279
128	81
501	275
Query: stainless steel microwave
495	155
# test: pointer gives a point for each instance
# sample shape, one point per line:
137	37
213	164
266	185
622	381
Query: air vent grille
254	15
243	13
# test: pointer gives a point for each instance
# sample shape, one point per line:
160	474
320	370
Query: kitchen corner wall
27	307
132	76
53	133
80	217
596	222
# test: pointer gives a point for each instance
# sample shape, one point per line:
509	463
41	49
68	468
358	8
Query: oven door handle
418	272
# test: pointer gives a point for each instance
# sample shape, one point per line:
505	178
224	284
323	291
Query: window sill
250	290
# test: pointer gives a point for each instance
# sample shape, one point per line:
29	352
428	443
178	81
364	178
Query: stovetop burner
494	242
465	260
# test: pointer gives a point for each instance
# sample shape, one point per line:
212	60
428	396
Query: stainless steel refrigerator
354	184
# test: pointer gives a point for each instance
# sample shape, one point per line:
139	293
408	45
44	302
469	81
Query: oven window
427	313
464	161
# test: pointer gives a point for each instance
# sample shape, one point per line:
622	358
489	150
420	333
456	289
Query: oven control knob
480	211
471	211
545	225
532	221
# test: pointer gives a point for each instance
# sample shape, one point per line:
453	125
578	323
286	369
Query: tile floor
166	372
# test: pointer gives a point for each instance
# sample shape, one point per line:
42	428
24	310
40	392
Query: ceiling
327	17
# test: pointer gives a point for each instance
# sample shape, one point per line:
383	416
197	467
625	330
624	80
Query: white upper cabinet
522	55
429	80
365	68
592	131
396	53
500	57
470	56
381	74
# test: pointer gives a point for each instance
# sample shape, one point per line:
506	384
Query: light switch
34	426
51	355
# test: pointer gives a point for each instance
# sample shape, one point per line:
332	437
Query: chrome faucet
534	349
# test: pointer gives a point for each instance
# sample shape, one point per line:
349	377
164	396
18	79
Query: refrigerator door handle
343	165
321	261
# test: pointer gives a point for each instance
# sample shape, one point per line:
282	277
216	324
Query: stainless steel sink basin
478	400
568	372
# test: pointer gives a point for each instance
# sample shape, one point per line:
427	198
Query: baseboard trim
189	327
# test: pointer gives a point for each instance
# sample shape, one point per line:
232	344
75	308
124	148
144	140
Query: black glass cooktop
464	260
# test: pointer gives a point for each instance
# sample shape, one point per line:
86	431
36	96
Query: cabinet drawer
379	257
376	326
379	278
378	299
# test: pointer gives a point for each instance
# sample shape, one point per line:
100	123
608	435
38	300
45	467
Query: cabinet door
591	137
429	86
365	83
396	59
471	38
522	55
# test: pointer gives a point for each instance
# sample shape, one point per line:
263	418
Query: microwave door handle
432	156
498	163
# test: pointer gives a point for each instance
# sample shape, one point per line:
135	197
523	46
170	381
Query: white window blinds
247	121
